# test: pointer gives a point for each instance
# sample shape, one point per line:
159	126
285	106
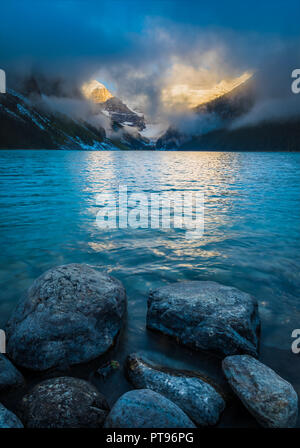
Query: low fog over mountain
47	113
152	76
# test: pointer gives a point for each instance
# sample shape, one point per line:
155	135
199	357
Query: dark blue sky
132	45
52	28
139	47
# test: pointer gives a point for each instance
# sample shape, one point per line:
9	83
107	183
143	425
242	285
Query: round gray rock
71	314
145	408
269	398
8	419
9	375
64	402
207	316
198	399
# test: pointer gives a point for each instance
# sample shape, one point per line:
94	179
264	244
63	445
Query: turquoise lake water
251	239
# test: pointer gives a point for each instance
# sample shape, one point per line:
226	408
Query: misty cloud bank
77	109
74	42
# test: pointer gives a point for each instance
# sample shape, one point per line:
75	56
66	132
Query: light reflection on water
251	239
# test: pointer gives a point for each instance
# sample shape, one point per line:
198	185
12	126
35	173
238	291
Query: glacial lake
251	240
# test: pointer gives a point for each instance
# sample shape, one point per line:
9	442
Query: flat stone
145	408
64	402
195	396
269	398
9	376
71	315
8	419
206	315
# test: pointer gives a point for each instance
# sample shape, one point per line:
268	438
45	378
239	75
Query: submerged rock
71	314
108	369
145	408
9	375
64	402
198	399
8	419
268	397
207	316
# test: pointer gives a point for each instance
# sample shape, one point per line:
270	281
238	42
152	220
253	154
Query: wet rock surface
107	369
9	376
64	402
145	408
207	316
8	419
268	397
71	314
198	399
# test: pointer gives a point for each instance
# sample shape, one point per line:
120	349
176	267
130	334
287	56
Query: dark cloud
134	45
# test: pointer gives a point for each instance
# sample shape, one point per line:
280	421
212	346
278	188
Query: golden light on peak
96	91
192	95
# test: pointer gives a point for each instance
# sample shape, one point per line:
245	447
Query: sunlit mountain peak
190	96
96	91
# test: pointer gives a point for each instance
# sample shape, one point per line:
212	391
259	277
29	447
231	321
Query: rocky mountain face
112	106
222	110
25	122
171	139
121	114
264	136
24	126
232	105
129	140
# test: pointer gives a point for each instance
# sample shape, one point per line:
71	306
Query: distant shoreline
153	150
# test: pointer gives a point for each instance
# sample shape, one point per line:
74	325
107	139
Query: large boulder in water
269	398
207	316
8	419
71	314
145	408
9	376
64	402
193	394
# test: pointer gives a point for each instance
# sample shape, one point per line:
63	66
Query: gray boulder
268	397
145	408
207	316
9	375
8	419
64	402
71	314
198	399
